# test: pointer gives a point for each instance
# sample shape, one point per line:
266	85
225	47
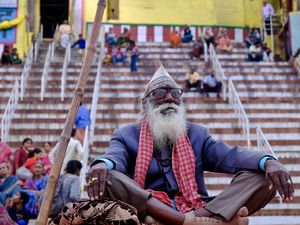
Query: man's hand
96	179
280	178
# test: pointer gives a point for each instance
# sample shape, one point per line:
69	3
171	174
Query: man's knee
258	179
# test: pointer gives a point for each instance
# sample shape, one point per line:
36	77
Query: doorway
53	12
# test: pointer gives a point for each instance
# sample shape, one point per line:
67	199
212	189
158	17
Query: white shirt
74	152
267	11
210	80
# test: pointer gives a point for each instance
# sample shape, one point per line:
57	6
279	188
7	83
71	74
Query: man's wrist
110	165
263	160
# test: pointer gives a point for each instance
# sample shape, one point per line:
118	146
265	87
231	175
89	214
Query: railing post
272	34
42	32
205	52
44	78
64	71
52	50
97	85
25	71
85	157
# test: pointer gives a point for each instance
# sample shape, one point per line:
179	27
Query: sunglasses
162	92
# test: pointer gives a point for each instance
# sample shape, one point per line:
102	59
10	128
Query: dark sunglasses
162	92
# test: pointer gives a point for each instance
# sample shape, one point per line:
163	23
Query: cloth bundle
100	212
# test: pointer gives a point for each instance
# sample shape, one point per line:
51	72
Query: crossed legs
255	195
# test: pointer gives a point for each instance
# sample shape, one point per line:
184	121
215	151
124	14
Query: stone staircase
119	105
269	92
8	74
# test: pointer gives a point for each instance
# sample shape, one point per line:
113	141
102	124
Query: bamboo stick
66	133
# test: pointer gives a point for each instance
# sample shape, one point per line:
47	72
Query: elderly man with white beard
157	165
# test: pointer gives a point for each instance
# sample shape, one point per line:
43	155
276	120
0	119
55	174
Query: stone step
265	82
271	106
116	100
252	69
291	100
260	73
265	87
274	220
269	94
257	64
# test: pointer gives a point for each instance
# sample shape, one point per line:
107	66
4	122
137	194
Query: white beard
167	123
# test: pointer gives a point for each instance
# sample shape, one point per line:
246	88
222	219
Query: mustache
167	107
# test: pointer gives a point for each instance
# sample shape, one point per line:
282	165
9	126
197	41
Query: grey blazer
210	155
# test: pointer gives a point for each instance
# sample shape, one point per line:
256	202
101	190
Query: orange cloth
224	41
175	38
29	164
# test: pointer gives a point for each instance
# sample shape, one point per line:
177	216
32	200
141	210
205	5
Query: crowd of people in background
24	176
121	50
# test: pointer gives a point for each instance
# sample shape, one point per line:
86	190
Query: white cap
160	78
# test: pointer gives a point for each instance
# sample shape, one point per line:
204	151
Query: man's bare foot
239	219
150	221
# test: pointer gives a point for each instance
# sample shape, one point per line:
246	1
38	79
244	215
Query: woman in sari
5	152
35	187
46	157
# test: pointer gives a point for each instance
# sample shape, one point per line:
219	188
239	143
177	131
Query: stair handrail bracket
9	111
45	73
25	71
235	101
67	60
218	70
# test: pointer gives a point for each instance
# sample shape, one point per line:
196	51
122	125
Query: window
113	10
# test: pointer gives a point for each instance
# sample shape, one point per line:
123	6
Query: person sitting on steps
157	165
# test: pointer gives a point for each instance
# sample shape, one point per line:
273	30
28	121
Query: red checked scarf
183	163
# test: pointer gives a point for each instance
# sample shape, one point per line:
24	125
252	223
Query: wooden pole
66	133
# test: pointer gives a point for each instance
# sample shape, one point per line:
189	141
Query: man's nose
169	97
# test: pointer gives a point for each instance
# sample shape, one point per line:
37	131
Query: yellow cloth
8	24
193	77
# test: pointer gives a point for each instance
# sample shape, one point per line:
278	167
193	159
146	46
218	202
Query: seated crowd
205	86
10	56
23	179
121	50
257	50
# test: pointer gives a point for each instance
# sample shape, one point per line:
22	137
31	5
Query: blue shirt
82	117
80	43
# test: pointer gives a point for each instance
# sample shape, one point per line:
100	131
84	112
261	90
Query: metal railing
274	23
218	70
53	44
45	73
205	47
95	98
9	111
298	65
263	144
89	133
37	43
97	85
85	157
205	51
67	60
42	32
239	110
26	70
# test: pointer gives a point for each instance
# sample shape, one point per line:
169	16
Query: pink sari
4	217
